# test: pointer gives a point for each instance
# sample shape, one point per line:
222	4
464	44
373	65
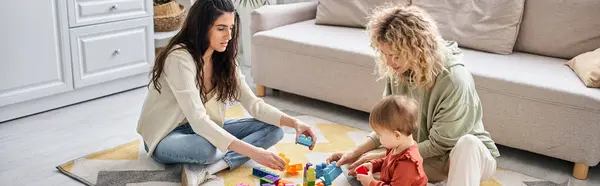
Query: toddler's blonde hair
395	113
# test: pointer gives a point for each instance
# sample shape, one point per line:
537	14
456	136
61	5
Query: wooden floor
31	147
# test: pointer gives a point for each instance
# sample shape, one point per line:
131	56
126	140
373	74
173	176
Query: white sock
216	167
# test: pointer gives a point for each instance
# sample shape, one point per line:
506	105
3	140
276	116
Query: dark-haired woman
182	120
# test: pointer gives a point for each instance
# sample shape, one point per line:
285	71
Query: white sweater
179	103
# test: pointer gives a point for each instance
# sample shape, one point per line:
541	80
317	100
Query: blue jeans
182	145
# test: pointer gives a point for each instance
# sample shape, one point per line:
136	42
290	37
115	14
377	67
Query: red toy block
362	170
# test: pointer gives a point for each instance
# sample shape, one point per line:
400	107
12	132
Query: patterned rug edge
71	175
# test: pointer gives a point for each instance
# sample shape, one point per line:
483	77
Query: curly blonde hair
413	37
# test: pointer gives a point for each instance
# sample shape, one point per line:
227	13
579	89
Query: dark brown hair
194	38
395	113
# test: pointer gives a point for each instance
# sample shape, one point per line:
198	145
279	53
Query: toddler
394	119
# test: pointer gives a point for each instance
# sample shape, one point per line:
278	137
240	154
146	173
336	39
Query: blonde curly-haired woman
415	61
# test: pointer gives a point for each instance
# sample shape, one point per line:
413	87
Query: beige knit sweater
179	103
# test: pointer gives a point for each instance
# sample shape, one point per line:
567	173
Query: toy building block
260	172
287	160
270	180
290	168
320	184
320	169
331	172
362	170
293	168
306	141
306	169
311	175
284	182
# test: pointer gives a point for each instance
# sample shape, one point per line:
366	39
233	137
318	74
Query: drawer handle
114	7
117	52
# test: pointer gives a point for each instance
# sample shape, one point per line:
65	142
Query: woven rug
127	164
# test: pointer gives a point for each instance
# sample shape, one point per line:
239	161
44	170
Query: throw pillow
348	13
490	26
587	67
559	28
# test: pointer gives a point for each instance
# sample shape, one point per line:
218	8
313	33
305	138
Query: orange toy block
293	168
283	182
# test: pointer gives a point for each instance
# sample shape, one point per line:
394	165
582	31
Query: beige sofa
531	99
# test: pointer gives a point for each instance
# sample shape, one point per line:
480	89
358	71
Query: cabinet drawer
106	52
86	12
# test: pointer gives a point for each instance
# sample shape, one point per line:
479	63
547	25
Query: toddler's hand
368	166
365	180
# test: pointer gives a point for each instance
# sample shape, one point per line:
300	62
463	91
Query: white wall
245	32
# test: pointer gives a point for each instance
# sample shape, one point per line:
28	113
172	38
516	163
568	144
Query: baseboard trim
36	106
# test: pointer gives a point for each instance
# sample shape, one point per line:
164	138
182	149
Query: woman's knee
188	149
278	133
468	140
274	135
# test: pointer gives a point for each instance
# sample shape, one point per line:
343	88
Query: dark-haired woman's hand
268	159
303	128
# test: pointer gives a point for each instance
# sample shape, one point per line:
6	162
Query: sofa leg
261	90
580	171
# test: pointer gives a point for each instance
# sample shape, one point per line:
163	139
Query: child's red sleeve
408	173
377	164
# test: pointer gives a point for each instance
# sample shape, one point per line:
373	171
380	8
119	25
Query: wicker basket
168	16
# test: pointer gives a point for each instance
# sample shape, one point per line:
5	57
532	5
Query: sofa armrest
273	16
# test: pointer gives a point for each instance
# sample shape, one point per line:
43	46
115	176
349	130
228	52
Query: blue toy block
306	141
320	169
330	173
260	172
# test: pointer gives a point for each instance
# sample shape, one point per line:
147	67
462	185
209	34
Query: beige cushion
339	44
329	63
587	68
560	28
490	26
533	77
350	13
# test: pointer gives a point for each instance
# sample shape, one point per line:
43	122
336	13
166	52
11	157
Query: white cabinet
35	61
111	51
60	52
87	12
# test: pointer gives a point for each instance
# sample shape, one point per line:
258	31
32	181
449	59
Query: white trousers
470	163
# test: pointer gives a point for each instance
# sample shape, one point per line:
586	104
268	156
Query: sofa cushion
490	26
532	77
350	13
341	44
559	28
587	68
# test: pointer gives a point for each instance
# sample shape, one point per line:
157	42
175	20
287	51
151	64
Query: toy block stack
269	179
292	169
320	169
260	172
311	177
331	172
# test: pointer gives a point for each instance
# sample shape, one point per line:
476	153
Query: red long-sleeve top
402	169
